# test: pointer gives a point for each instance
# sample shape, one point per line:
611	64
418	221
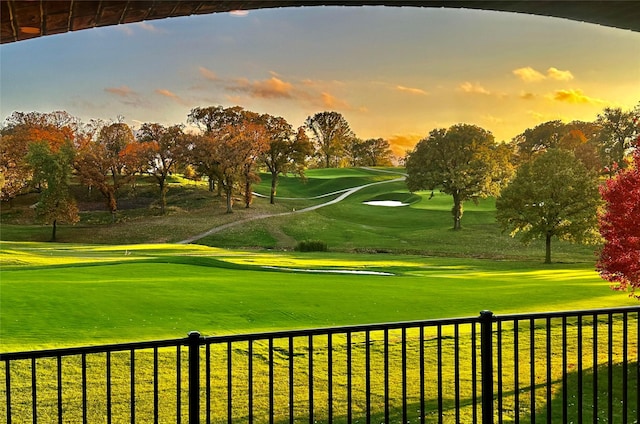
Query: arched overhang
22	20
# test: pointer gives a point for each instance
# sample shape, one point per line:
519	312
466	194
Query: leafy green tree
370	152
619	129
463	161
331	133
52	168
554	195
287	151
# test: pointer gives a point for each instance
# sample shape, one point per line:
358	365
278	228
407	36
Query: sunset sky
395	73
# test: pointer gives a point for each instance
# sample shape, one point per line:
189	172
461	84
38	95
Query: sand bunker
332	271
388	203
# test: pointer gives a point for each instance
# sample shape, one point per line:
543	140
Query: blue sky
395	73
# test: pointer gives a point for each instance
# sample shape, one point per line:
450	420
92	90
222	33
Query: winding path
345	193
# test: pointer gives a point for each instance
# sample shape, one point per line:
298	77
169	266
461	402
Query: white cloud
469	87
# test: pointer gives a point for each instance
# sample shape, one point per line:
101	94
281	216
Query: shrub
311	246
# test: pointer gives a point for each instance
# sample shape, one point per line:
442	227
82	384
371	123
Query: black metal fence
564	367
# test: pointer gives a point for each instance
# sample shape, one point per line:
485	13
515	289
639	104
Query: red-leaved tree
620	227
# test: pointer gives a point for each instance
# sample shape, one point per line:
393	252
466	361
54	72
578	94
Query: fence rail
573	366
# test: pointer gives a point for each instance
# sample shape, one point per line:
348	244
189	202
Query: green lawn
96	294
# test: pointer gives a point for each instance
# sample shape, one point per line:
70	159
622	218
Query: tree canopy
331	133
619	260
554	195
463	161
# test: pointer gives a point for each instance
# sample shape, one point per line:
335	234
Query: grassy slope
439	271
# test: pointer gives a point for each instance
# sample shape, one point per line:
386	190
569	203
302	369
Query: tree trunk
53	234
327	160
211	184
457	212
274	184
248	195
163	197
229	200
547	255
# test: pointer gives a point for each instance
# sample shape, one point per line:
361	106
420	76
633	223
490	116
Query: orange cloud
171	95
266	89
528	74
410	90
468	87
208	74
575	96
122	91
126	95
331	102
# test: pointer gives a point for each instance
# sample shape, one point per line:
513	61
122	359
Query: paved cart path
345	193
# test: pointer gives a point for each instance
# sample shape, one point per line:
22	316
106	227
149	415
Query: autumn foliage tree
161	148
287	150
101	163
619	260
331	134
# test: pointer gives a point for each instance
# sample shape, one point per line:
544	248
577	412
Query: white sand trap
388	203
332	271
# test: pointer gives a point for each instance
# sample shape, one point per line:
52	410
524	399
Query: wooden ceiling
22	20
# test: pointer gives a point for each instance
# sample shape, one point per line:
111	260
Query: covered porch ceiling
23	20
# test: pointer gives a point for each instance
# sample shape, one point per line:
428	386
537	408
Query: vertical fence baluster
610	366
367	375
207	371
499	369
349	388
486	356
271	400
625	370
59	376
404	375
250	378
84	388
516	372
178	385
423	414
156	397
456	369
595	369
7	385
532	367
439	366
291	382
229	384
330	376
194	377
310	344
34	392
565	386
579	370
549	377
132	371
474	371
386	375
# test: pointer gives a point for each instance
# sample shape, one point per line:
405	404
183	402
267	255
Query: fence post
194	377
486	357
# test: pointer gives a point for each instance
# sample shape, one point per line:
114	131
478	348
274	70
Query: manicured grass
104	294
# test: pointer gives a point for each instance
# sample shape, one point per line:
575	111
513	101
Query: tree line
43	150
548	181
545	179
